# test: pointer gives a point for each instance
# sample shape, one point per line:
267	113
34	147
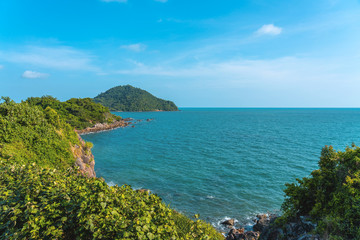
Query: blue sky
230	53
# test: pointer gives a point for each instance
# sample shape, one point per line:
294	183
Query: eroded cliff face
84	158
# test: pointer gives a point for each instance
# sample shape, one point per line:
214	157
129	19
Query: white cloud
138	47
269	29
285	71
120	1
1	66
33	75
163	1
62	58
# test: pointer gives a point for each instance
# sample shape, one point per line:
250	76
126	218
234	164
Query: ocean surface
221	162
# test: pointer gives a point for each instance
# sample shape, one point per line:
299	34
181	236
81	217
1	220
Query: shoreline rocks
265	228
229	222
105	126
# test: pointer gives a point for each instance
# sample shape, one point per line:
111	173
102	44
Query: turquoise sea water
221	162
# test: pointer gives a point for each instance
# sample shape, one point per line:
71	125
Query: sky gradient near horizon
232	53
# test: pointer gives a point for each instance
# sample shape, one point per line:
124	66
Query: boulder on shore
229	222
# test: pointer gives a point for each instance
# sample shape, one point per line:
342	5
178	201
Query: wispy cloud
120	1
1	66
138	47
269	29
33	74
163	1
285	71
62	58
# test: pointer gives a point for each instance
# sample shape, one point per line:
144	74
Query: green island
45	195
130	99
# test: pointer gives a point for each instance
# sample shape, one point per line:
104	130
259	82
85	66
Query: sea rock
262	221
229	222
240	234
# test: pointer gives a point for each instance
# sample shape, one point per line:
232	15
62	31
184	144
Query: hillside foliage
331	195
130	99
43	196
31	134
78	112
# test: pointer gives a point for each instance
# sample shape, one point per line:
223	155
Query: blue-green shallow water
221	162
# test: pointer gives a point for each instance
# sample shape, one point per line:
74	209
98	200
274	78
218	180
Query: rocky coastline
266	228
105	126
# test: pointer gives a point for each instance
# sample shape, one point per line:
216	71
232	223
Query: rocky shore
105	126
265	228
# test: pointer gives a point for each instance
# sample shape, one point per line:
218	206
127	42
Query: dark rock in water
229	222
240	234
149	119
133	126
261	222
234	234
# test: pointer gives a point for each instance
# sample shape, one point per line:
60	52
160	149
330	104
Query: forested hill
78	112
130	99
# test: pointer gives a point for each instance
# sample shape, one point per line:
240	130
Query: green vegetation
43	196
79	113
131	99
31	134
331	195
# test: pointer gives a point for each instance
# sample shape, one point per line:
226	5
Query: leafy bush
331	195
130	99
79	113
30	134
40	203
44	203
194	229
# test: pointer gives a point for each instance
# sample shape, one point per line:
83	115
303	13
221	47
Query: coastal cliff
84	157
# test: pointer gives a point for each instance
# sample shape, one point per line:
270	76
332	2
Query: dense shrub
45	203
331	195
79	113
130	99
40	203
30	134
